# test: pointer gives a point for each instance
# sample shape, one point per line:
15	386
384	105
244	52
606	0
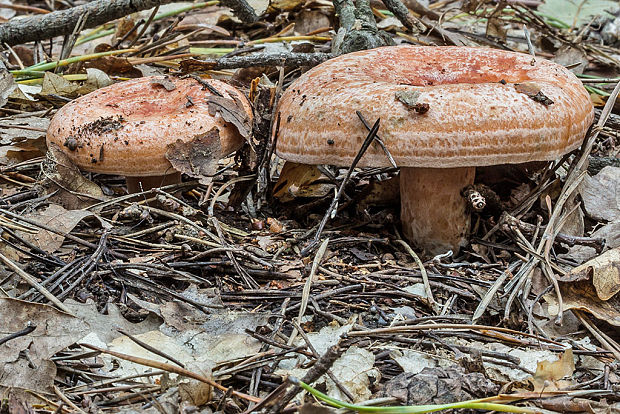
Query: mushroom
444	111
127	128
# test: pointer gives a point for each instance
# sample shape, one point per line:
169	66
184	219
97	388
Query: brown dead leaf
165	82
603	271
57	85
284	5
549	375
582	295
19	406
114	65
196	392
301	180
316	409
58	218
54	330
231	111
308	21
532	90
601	194
197	158
74	190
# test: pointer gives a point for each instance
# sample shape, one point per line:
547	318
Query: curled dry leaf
550	376
301	180
582	295
74	190
198	157
533	91
603	271
231	111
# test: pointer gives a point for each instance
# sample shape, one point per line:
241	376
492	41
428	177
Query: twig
306	291
242	10
328	214
329	373
318	369
427	286
35	284
400	11
259	59
62	22
150	348
30	327
171	368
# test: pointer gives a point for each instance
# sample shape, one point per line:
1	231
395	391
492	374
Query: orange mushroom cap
126	128
480	108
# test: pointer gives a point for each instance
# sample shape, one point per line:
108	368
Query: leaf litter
209	273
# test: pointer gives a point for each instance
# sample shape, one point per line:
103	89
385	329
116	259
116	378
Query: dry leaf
533	91
601	194
231	111
165	82
34	129
603	271
7	84
57	85
410	100
197	158
549	375
54	330
301	180
74	190
95	79
59	219
582	295
196	392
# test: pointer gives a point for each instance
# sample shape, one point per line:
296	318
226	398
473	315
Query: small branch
321	367
332	208
60	23
358	30
242	10
595	243
400	11
278	59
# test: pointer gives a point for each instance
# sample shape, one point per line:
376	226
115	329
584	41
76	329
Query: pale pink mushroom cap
476	116
126	128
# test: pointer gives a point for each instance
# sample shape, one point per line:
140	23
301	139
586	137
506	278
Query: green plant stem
39	68
416	409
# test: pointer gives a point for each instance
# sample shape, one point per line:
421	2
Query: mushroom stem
433	212
139	184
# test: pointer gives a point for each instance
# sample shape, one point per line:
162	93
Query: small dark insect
71	143
330	142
